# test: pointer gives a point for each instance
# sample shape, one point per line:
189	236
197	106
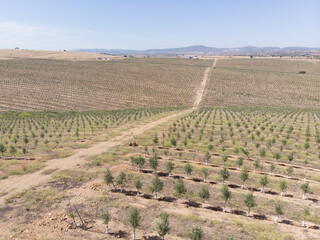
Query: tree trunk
303	196
203	204
155	196
179	200
262	189
242	186
248	213
276	219
303	224
134	235
138	194
107	230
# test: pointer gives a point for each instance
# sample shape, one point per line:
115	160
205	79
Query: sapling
108	178
306	213
283	186
138	185
256	164
121	179
226	195
163	226
154	163
305	188
272	167
204	194
134	220
140	161
205	173
240	162
289	171
224	159
180	189
188	169
207	157
264	181
169	167
224	173
196	233
72	216
244	176
106	217
279	210
156	185
250	202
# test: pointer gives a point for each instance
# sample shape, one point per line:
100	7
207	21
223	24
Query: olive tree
106	218
196	233
138	185
226	195
180	189
134	220
163	226
250	202
204	194
156	185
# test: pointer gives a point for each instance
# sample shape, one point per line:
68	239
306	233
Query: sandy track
203	84
17	183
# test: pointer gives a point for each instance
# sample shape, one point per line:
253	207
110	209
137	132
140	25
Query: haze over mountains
200	49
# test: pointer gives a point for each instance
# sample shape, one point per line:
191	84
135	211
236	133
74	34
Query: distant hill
200	49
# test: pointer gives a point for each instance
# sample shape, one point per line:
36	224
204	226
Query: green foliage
196	233
108	178
106	217
188	168
204	193
163	226
134	218
180	188
224	174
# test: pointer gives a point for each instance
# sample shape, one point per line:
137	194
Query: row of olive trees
224	173
180	190
162	226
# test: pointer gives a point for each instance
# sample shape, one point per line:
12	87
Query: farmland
228	148
264	82
51	85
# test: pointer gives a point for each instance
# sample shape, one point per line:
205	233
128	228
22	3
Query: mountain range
200	49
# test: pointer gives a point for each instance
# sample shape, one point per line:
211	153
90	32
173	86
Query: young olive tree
188	169
180	189
156	185
244	175
121	179
106	218
204	194
169	167
250	202
134	220
264	182
196	233
226	195
224	174
163	226
138	185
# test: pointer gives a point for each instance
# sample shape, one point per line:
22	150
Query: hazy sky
144	24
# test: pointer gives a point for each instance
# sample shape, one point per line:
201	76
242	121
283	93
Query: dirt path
16	183
203	85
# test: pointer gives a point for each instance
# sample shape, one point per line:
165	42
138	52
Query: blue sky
144	24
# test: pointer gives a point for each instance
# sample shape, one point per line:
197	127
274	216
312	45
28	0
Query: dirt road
200	92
